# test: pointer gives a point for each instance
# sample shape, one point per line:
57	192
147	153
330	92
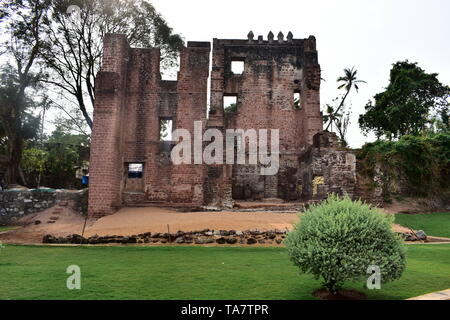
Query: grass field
28	272
434	224
6	228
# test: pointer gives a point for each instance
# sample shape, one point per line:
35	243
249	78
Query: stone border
202	237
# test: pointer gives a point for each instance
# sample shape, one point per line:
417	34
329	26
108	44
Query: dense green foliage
408	104
30	272
53	162
43	43
339	239
434	224
419	163
232	108
17	121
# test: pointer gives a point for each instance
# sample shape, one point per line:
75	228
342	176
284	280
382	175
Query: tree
347	82
232	108
17	122
340	120
40	34
22	22
74	41
54	161
408	103
338	240
33	162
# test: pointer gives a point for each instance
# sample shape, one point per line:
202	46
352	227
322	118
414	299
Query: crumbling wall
106	169
327	168
131	100
187	179
274	70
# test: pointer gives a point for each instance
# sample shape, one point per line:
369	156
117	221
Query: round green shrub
339	239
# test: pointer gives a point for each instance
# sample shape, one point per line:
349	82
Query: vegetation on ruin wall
421	164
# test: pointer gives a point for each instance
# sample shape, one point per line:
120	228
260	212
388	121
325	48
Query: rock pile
418	235
202	237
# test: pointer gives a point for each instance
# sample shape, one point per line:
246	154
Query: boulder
93	240
203	240
48	238
179	234
421	235
132	239
77	239
221	240
179	240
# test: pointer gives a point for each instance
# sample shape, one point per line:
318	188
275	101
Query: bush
421	164
339	239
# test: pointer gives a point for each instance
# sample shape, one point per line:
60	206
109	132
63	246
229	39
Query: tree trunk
339	108
84	111
15	156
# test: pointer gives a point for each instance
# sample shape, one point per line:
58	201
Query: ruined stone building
278	87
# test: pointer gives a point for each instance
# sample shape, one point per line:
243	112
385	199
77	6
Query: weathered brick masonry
131	100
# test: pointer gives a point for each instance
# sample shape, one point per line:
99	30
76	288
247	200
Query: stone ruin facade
278	88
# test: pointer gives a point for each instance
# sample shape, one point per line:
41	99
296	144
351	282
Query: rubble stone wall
327	168
15	204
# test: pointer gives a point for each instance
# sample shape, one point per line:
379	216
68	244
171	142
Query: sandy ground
139	220
128	221
68	222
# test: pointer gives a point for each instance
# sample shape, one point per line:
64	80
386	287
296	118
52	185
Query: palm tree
348	81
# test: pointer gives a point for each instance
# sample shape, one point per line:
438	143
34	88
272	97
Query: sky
367	35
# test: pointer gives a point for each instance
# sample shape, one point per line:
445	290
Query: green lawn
6	228
28	272
434	224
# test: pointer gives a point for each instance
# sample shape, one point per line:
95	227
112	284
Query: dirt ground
128	221
68	222
140	220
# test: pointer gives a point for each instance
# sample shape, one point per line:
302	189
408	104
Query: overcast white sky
370	35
